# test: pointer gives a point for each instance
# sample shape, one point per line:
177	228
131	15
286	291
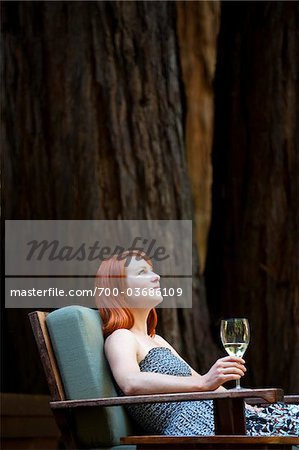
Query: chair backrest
79	370
40	331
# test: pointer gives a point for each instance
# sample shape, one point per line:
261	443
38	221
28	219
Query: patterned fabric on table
196	418
276	419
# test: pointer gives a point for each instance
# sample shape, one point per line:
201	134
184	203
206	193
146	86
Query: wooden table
210	442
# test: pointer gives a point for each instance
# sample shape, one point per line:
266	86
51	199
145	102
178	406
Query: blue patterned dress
196	418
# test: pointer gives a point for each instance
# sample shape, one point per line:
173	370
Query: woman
144	363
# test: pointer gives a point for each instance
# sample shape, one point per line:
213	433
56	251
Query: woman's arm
121	352
164	343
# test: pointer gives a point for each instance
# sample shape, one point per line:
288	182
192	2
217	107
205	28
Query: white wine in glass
235	336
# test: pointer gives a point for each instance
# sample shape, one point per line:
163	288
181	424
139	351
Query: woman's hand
224	369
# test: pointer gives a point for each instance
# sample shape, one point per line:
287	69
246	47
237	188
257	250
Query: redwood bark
253	249
94	130
198	27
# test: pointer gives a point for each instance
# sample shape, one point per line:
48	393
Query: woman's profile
144	363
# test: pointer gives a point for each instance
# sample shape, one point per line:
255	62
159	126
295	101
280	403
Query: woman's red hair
116	315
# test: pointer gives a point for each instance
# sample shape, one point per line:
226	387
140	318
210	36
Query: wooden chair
88	411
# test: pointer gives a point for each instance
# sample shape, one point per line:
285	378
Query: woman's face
143	285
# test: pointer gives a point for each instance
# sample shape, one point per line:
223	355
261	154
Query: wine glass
235	337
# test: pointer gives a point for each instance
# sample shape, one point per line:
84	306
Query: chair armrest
286	399
291	398
268	395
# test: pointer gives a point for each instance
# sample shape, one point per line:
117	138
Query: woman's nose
156	277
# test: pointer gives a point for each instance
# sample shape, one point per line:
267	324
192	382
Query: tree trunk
94	130
198	27
252	266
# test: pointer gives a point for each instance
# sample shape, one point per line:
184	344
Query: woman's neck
140	321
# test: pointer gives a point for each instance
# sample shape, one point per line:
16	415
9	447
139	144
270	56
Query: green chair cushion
77	340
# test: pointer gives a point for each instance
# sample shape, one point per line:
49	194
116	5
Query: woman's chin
152	302
159	299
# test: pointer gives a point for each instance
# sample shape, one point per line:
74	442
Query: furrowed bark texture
252	266
198	27
94	130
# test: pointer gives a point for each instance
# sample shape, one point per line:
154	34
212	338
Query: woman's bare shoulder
121	352
122	337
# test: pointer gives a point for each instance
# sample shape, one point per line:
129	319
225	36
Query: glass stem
238	386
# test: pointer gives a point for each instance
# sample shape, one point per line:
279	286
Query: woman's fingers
239	366
225	369
233	370
230	377
230	369
232	359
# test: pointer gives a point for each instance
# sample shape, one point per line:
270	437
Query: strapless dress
196	418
